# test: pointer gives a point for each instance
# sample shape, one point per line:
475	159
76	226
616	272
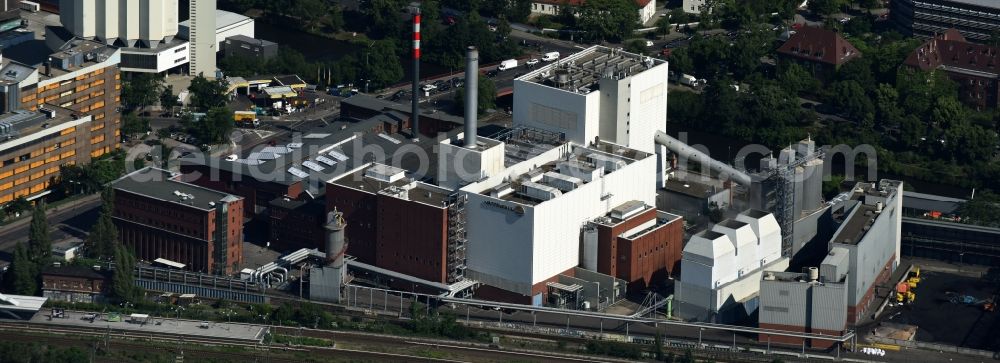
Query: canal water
315	47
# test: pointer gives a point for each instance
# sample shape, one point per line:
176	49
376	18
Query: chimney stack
415	88
471	95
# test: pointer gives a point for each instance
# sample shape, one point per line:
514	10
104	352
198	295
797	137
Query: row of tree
24	277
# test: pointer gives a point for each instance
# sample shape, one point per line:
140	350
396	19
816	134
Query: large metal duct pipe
471	95
682	149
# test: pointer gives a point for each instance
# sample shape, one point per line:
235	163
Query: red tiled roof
950	49
819	45
640	3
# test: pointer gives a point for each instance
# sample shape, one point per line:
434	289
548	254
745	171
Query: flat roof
984	3
20	123
223	19
246	39
100	52
854	229
161	184
161	46
582	71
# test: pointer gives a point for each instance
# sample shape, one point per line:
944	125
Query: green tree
825	7
385	17
887	105
487	96
310	12
983	210
214	127
123	280
22	278
168	100
103	235
680	61
206	93
133	125
39	244
140	90
796	79
610	20
382	64
335	17
850	96
17	206
637	46
663	25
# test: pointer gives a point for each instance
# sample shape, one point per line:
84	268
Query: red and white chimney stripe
416	36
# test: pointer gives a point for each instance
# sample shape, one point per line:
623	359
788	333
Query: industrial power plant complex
538	202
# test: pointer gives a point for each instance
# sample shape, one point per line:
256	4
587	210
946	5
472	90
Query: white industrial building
525	221
598	92
145	30
721	267
647	8
130	23
870	229
200	29
227	24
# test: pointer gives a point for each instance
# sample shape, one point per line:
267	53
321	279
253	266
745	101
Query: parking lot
942	314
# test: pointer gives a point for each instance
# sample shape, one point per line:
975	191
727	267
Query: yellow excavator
914	277
903	293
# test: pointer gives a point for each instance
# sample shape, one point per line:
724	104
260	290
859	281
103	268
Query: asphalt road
79	215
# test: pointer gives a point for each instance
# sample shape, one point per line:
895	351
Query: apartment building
60	112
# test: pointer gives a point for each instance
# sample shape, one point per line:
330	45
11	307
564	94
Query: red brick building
74	284
819	50
161	217
296	224
973	66
404	226
638	244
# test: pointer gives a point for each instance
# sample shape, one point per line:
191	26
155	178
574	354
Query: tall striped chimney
414	108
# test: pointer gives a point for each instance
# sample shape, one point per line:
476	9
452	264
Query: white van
507	64
550	56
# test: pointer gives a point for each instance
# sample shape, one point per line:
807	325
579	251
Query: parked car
444	87
532	62
428	87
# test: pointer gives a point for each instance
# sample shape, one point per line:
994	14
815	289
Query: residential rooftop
20	123
581	72
163	185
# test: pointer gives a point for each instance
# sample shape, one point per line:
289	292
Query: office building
636	243
721	268
598	92
972	66
201	32
975	19
159	216
401	225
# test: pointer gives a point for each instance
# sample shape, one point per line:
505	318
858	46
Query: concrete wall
547	108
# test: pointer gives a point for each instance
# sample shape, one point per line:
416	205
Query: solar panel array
338	155
326	160
312	165
298	172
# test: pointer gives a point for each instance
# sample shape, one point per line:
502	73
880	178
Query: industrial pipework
471	95
682	149
415	88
